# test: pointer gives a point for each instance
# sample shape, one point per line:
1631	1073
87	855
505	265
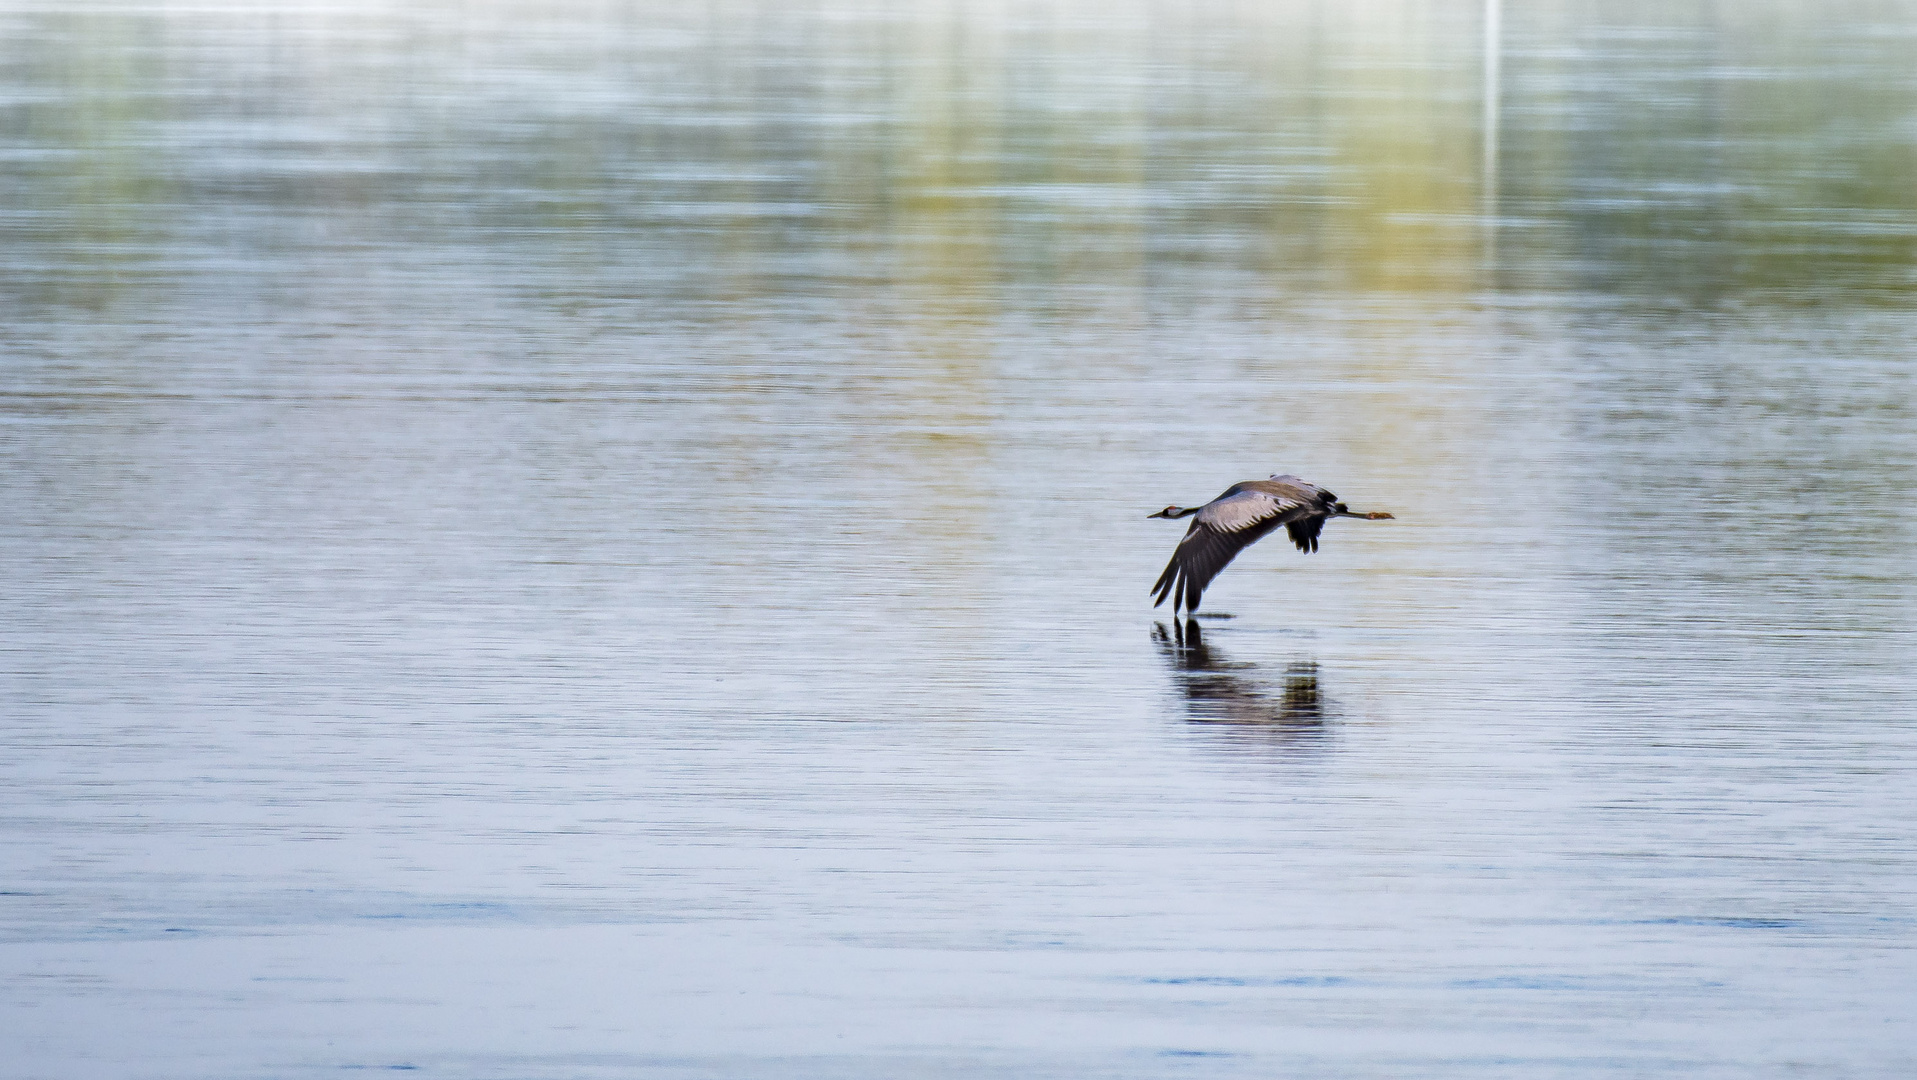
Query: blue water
610	541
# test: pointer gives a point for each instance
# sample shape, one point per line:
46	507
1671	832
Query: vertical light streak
1488	185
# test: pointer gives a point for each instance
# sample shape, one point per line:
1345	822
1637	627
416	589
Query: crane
1238	519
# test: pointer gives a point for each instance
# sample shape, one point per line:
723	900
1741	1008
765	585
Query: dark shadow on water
1248	702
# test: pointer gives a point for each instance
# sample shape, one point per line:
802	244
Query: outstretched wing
1226	526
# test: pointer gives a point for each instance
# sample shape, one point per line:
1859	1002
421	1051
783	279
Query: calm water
609	540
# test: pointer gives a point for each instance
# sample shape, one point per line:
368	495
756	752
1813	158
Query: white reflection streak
1488	198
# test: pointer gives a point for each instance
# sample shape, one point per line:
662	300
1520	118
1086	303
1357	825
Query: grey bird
1238	519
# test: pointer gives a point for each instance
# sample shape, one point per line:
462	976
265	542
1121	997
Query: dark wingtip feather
1164	586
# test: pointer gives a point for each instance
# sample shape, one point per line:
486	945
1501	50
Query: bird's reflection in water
1290	715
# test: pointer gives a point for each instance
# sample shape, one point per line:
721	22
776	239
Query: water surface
606	540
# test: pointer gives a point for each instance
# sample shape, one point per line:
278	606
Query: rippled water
605	540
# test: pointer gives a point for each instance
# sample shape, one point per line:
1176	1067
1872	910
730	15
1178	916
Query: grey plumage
1238	519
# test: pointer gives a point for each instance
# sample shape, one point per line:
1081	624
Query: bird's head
1168	512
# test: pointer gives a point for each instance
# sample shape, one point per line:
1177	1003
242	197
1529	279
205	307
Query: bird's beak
1166	512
